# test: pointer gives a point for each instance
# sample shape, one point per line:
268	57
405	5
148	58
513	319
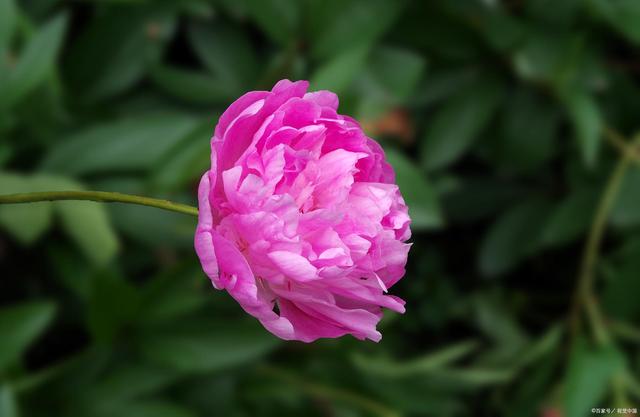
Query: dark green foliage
492	113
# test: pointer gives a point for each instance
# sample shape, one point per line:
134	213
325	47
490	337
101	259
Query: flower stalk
98	196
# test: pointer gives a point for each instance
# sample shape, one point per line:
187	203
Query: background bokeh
500	118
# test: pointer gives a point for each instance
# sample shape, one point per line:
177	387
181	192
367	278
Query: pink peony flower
300	219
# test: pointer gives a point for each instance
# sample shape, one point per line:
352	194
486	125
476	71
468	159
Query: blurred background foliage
492	113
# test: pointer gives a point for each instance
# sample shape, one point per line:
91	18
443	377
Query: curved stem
99	196
584	292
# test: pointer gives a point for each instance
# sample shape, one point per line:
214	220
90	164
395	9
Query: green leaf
622	15
36	61
337	74
206	346
442	83
8	20
135	143
113	303
6	152
20	325
127	382
115	50
530	395
538	350
588	376
88	224
63	381
65	268
551	12
145	408
218	393
340	26
227	52
85	222
397	70
537	58
496	322
458	124
424	364
587	121
277	18
626	210
621	288
188	163
26	222
501	30
154	227
514	236
570	218
475	198
562	60
390	76
173	295
191	86
527	135
416	396
441	34
474	377
8	403
417	192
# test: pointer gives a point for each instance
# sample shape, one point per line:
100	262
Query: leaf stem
98	196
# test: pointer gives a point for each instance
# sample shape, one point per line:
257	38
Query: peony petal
244	289
359	322
308	328
323	98
294	266
236	109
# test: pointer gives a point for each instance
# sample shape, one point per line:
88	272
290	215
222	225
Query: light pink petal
241	284
291	88
359	322
258	226
299	113
294	266
203	241
239	134
236	109
323	98
375	168
368	291
336	171
308	328
230	181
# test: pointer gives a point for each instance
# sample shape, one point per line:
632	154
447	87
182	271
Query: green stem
99	196
618	142
584	292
